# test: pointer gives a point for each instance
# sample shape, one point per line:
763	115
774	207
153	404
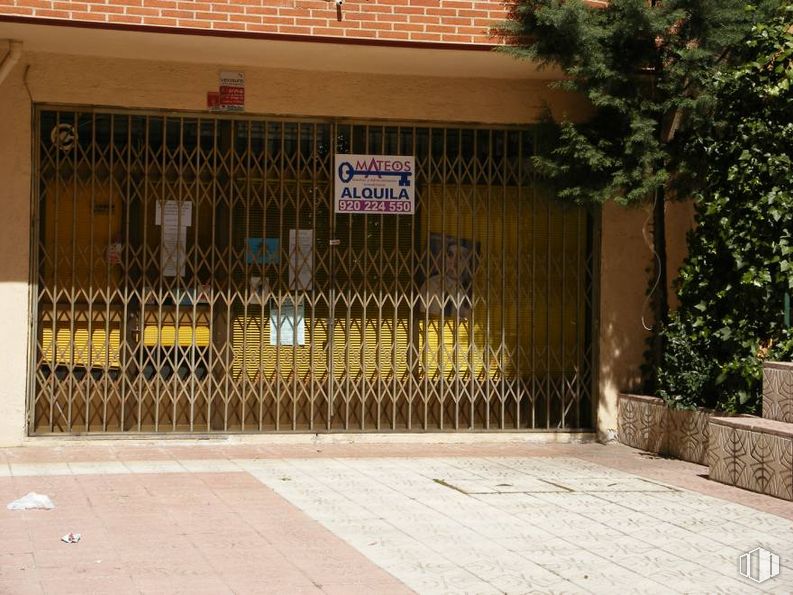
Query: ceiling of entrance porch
271	53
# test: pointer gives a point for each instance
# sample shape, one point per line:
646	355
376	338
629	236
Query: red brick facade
444	21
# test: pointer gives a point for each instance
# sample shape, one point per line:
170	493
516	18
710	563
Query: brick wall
447	21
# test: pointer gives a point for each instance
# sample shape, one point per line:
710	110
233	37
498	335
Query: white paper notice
301	258
288	327
174	217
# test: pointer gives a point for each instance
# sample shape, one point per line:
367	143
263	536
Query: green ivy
740	262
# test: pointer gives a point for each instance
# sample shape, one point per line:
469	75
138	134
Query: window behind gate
192	276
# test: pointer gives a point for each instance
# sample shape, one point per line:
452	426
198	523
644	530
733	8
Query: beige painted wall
161	85
626	261
180	86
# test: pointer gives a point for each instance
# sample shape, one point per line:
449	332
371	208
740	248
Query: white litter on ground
32	500
71	538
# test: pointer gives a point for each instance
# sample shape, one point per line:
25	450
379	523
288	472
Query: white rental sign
375	184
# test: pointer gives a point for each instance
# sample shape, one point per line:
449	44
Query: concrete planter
778	391
757	453
648	424
752	453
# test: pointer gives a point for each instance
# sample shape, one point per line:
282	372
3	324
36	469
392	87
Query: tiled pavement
363	518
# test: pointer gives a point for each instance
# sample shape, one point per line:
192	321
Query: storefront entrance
190	275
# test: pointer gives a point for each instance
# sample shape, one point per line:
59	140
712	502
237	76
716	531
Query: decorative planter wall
641	422
648	424
757	453
778	391
745	451
752	453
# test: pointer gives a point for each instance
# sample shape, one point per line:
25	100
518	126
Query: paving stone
346	524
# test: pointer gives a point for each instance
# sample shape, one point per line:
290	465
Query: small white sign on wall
232	91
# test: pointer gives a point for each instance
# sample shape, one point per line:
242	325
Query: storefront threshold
434	437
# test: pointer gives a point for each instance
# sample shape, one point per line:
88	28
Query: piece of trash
71	538
30	501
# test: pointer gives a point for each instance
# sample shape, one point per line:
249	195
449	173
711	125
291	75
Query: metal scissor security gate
191	275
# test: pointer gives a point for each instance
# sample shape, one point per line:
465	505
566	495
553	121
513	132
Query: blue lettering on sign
347	172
